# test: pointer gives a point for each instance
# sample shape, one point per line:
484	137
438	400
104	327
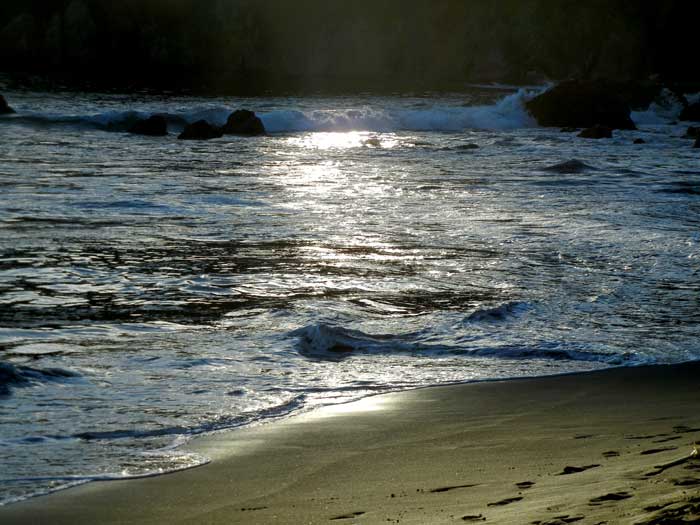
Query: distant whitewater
507	113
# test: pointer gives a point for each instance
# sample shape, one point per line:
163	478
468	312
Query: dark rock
467	146
569	129
597	132
640	141
200	130
692	133
691	112
244	122
155	126
581	104
4	108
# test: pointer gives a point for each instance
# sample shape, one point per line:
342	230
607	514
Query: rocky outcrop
200	130
581	104
244	122
691	113
597	132
4	108
154	126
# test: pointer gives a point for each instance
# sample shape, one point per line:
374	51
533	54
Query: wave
334	343
20	376
507	113
121	121
323	340
664	110
499	313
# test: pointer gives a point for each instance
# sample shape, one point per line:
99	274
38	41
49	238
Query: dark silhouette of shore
248	46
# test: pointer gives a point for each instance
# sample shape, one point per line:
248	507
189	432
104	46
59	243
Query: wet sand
604	447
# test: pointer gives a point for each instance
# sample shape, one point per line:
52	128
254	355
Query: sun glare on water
337	140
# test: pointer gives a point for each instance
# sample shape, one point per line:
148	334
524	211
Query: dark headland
308	46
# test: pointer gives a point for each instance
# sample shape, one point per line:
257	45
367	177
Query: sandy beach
604	447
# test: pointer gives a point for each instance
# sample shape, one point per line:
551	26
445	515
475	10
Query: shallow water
152	290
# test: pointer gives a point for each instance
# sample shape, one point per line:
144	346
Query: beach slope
604	447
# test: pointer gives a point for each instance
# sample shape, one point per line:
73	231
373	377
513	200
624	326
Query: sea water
153	289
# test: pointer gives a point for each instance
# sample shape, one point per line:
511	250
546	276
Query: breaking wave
334	343
667	108
507	113
499	313
19	376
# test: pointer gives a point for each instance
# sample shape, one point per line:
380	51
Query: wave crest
499	313
507	113
333	343
19	376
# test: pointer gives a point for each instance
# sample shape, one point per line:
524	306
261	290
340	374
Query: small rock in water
692	133
4	108
570	166
468	146
691	112
374	142
200	130
640	141
244	122
596	132
154	126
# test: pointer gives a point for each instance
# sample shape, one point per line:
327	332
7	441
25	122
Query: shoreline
583	447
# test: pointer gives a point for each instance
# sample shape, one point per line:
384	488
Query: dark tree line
359	44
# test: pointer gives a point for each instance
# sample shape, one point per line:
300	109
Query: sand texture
609	447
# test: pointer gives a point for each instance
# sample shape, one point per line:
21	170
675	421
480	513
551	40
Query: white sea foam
665	109
508	113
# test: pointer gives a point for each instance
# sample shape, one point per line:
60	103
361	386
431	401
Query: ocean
152	290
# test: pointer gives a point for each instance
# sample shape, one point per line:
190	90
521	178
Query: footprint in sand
612	496
560	520
575	470
525	485
611	454
506	501
349	516
474	517
656	450
683	429
687	482
665	440
454	487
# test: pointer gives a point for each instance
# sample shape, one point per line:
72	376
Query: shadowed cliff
316	45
